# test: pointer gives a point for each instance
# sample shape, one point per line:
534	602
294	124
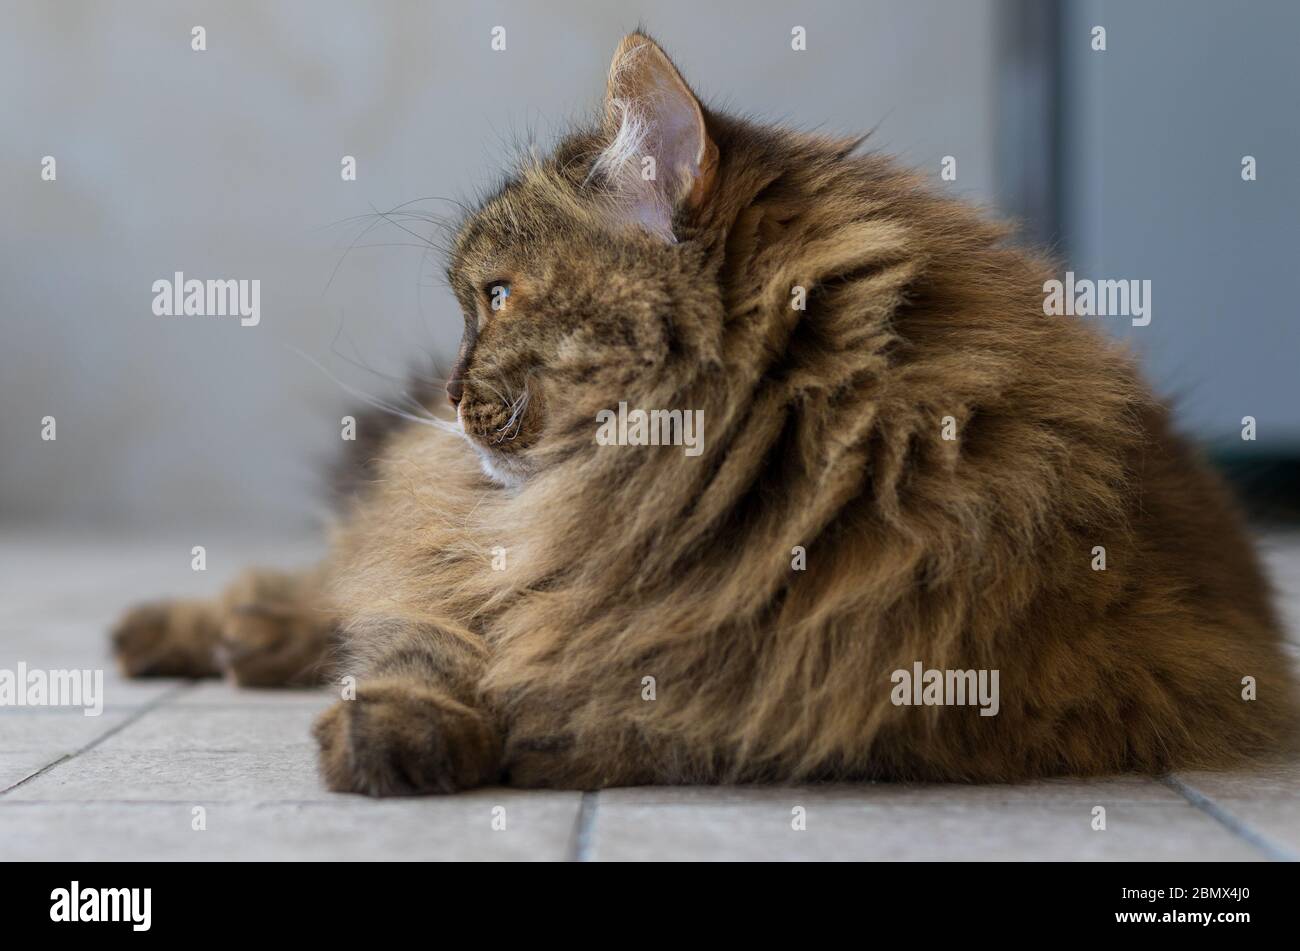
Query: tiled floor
166	757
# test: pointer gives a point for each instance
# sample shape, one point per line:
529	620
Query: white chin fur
497	472
493	467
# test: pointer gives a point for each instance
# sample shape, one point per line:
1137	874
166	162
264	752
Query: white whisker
377	403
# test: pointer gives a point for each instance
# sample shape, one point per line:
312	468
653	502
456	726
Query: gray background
225	164
1153	132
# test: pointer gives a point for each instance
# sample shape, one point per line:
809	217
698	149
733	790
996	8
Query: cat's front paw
399	738
167	639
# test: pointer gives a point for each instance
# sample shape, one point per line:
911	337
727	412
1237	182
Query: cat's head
589	271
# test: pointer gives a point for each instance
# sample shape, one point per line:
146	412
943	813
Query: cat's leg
543	751
268	629
600	728
429	717
169	639
416	723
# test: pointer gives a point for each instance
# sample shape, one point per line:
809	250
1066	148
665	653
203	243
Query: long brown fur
823	430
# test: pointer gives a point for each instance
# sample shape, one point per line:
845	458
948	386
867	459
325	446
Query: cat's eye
497	292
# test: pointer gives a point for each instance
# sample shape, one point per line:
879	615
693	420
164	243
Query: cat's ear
659	158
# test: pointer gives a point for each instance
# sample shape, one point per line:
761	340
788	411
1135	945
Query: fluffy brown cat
916	465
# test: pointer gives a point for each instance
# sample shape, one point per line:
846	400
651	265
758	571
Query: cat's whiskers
425	419
516	418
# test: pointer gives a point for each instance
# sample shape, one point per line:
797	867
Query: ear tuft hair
650	112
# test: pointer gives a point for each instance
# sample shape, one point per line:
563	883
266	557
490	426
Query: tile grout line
584	828
133	718
1225	818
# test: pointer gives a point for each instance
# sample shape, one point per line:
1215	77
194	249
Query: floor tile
759	827
53	732
107	773
217	729
18	766
1279	779
219	693
537	826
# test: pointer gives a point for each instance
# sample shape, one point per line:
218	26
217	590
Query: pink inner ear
657	116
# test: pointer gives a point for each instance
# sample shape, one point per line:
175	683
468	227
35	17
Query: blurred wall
1153	133
226	164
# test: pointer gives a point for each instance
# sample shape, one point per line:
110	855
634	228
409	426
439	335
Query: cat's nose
455	390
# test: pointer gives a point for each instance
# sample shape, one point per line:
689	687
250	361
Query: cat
903	463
